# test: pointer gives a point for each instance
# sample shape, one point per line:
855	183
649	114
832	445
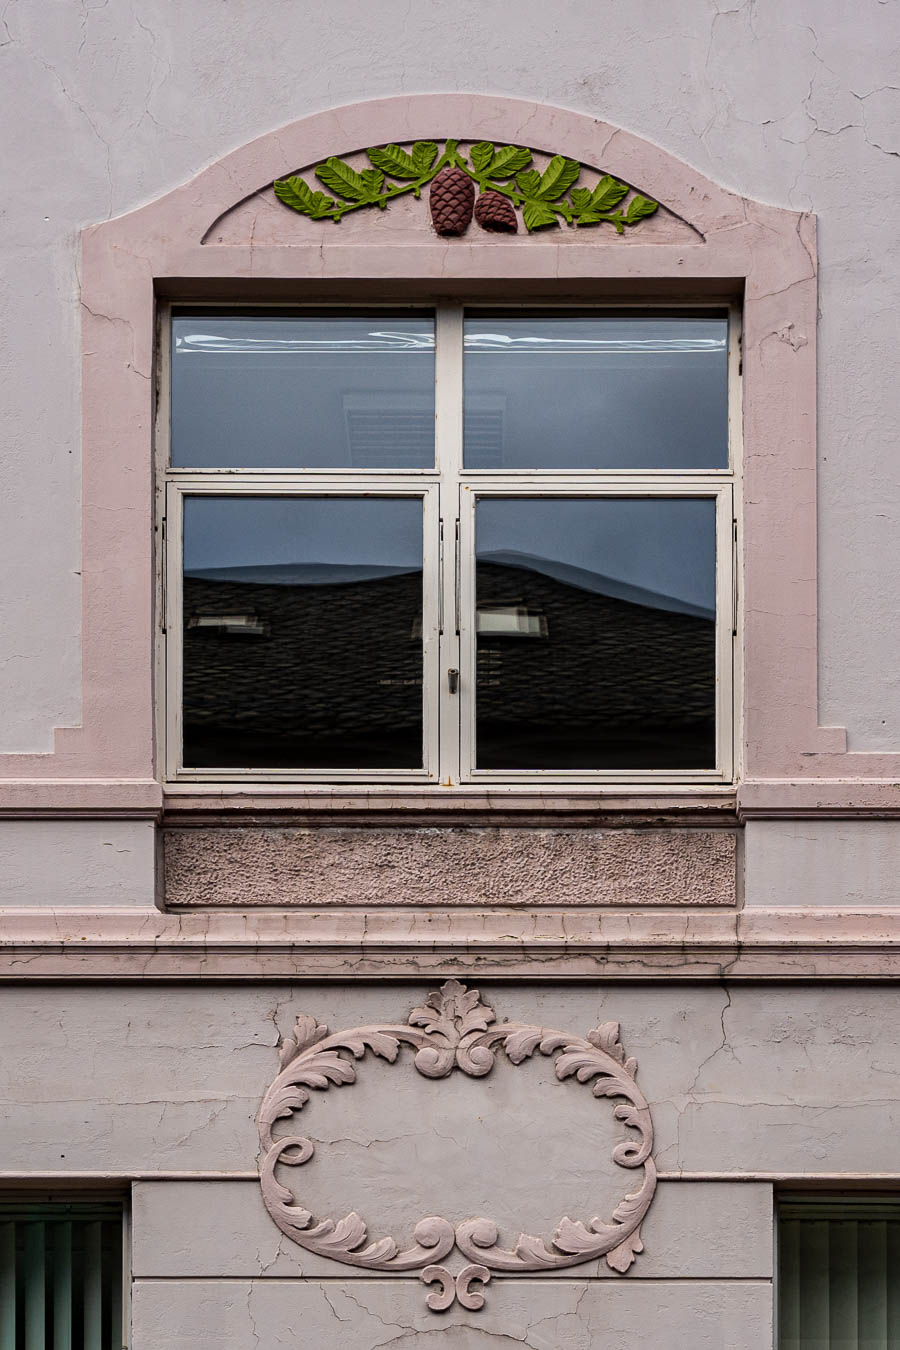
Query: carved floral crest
455	1030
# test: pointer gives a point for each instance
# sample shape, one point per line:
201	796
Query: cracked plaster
173	1236
535	1314
123	1080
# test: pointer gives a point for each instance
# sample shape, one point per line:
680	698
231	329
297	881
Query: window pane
285	391
839	1274
594	392
60	1275
595	633
303	632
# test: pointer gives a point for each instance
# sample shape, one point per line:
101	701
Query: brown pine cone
451	199
493	211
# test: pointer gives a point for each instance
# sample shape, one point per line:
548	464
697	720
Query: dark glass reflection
596	633
302	633
288	391
596	392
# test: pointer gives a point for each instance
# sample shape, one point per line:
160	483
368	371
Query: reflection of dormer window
511	621
229	625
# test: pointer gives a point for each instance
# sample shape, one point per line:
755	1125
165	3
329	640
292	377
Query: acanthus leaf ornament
501	174
454	1029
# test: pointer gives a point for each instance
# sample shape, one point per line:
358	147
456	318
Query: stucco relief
456	1030
504	176
486	190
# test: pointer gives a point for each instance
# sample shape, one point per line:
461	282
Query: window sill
377	805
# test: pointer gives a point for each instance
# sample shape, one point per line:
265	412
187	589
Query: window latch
453	681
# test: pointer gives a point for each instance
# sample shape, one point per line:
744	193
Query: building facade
450	775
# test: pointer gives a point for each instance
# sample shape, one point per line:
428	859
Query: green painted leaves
639	207
591	205
488	162
364	186
546	198
400	164
556	179
297	193
537	214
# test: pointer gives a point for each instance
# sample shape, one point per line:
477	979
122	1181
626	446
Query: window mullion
448	450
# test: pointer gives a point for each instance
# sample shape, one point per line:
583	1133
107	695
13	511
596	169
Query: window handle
453	681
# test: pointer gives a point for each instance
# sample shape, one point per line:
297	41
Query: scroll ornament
502	174
455	1030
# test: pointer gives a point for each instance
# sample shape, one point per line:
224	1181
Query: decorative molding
454	1030
70	943
501	173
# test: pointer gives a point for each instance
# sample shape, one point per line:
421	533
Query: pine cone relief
493	211
451	200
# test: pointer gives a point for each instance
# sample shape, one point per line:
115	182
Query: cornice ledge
837	798
551	944
38	798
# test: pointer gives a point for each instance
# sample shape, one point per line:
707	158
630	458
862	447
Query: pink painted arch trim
765	252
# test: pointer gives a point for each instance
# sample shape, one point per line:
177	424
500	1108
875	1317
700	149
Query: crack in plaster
690	1096
71	99
254	1330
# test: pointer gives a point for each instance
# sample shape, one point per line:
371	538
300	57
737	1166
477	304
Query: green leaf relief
342	179
424	153
558	177
590	217
297	193
509	160
607	193
529	182
481	156
395	161
373	181
540	195
639	207
537	214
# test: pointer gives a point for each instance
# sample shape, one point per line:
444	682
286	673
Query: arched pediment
451	187
232	203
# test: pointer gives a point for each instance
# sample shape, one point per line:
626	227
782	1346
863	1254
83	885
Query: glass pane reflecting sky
285	391
242	532
661	547
596	392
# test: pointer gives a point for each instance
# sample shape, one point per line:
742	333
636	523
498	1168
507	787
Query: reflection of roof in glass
337	574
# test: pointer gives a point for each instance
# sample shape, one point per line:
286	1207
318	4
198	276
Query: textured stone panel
449	866
537	1314
208	1229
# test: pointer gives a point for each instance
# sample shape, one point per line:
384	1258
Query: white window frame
450	495
286	486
